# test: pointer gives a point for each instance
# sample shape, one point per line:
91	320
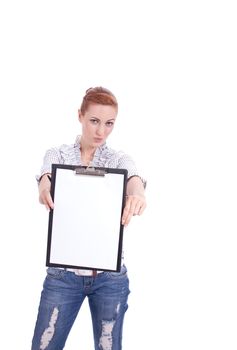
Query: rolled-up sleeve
126	162
51	156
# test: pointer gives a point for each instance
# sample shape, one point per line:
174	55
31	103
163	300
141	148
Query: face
97	124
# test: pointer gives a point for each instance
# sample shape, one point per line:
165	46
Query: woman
64	290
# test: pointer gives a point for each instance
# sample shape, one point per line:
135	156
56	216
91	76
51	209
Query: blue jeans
62	296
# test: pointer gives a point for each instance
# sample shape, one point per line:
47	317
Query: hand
135	205
44	192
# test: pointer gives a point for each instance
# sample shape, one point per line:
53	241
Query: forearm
135	187
44	191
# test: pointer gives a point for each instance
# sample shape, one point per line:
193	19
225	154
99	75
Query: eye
109	124
94	121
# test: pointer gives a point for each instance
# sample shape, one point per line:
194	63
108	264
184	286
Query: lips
96	139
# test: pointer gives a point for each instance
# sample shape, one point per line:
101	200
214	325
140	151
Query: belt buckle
94	273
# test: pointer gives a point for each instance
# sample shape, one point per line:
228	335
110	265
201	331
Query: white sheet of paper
86	219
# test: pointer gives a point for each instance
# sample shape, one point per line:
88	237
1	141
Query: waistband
80	272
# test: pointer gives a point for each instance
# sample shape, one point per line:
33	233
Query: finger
142	208
133	203
47	207
44	202
137	208
46	199
132	208
125	214
126	211
49	201
127	219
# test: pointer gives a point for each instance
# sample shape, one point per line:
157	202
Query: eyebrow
108	120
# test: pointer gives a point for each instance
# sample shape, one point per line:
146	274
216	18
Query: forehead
101	111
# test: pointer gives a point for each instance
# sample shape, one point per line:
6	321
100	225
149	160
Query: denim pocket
121	274
53	272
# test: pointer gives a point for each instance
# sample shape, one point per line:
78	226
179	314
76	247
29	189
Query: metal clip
89	171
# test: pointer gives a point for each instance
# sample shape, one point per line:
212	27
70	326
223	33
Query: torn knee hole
49	332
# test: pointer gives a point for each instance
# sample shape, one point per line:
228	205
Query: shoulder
66	149
62	149
62	152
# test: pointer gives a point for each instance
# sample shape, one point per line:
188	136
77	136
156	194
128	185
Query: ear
79	115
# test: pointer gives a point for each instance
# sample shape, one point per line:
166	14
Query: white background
172	66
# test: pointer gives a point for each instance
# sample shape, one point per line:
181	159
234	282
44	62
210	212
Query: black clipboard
84	228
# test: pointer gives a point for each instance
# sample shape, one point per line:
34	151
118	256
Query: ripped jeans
62	296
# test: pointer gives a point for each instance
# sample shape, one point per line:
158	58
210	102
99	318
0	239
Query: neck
87	152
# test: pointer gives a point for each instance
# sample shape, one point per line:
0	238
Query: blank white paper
86	220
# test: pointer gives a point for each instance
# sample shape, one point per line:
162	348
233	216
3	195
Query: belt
79	272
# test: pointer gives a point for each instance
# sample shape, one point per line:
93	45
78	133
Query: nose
100	130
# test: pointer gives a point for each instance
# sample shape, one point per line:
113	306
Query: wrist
45	174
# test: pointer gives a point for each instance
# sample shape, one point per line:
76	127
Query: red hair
98	95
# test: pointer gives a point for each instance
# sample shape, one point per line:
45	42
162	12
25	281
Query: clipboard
84	228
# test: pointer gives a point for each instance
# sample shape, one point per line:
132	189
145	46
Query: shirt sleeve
51	156
126	162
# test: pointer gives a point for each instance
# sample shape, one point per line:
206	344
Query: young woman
64	290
